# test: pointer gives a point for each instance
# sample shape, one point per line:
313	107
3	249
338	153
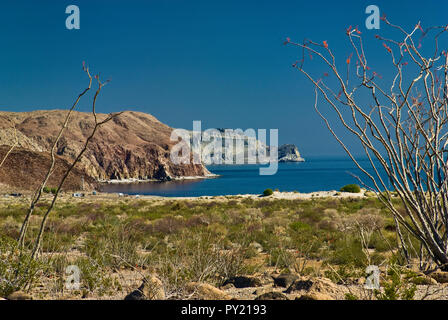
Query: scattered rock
300	285
285	280
228	286
422	279
244	282
315	296
272	296
320	288
205	291
440	276
19	295
151	289
258	247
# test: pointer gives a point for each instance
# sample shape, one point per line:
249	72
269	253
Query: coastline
99	196
135	180
277	195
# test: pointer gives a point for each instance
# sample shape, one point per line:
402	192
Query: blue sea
316	174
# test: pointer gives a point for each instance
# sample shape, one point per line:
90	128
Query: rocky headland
133	145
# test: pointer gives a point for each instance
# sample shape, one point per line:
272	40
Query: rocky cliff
243	144
133	145
289	153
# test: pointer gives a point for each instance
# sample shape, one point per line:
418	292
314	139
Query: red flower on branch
349	58
348	30
377	75
387	47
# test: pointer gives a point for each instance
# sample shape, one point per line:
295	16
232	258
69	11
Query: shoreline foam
135	180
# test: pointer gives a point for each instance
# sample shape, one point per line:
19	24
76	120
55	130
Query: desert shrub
10	228
168	225
53	242
352	188
343	274
299	226
199	257
52	190
282	258
383	243
115	247
268	192
93	277
18	271
348	252
351	296
396	287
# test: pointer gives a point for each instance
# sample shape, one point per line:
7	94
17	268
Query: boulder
19	295
319	288
205	291
285	280
151	289
440	276
244	282
315	296
300	285
272	296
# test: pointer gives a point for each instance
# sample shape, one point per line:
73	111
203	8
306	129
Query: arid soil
284	246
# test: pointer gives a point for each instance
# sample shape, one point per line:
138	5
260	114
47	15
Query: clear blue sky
222	62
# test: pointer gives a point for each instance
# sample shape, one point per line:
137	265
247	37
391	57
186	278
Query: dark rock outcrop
289	153
285	280
244	282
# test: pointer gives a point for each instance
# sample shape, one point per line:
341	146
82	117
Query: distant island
289	153
286	152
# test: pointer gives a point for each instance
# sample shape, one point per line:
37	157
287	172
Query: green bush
50	190
281	258
17	271
268	192
395	287
353	188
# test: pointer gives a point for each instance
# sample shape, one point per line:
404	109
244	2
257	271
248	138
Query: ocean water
316	174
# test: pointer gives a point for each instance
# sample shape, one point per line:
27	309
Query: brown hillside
25	169
133	145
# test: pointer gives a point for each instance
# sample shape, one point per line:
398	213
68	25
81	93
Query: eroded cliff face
289	153
133	145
